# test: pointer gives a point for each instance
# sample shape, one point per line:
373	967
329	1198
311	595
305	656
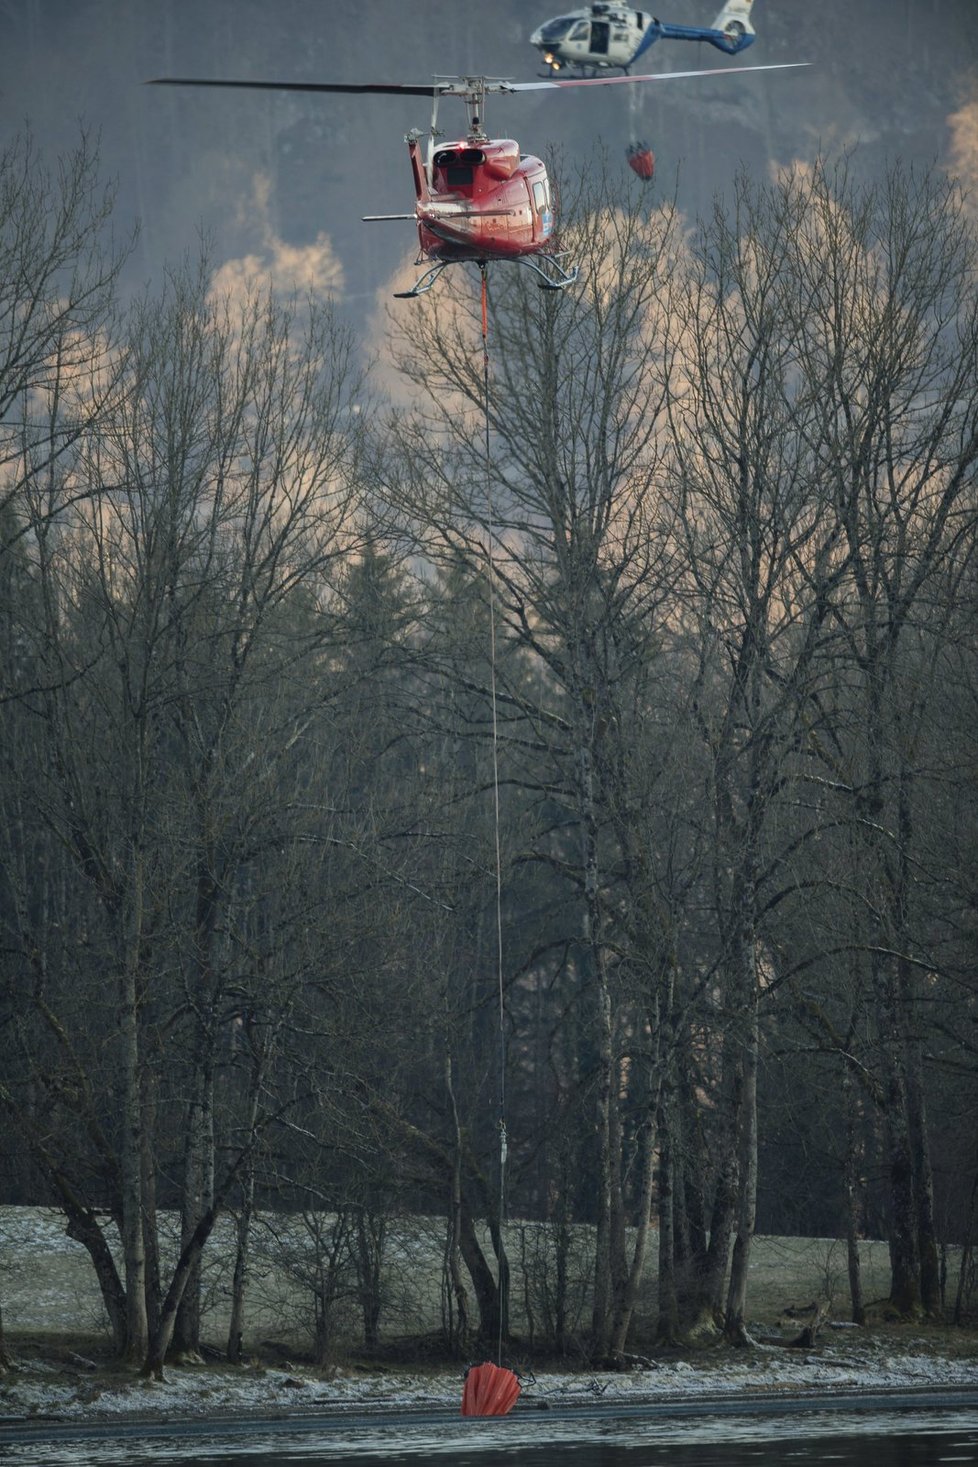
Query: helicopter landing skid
558	280
422	285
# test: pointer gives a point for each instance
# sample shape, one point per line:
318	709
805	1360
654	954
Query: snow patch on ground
40	1391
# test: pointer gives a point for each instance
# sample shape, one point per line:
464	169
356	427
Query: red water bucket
490	1390
641	160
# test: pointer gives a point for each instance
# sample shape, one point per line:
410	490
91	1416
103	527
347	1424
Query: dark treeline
270	707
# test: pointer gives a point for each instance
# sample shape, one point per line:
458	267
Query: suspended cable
490	527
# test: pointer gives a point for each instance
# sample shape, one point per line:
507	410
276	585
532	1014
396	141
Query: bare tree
182	595
760	541
58	271
565	502
892	350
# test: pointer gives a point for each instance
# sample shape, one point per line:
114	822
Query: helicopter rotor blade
393	89
460	86
611	81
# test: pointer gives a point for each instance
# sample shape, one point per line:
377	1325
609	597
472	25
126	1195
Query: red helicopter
479	198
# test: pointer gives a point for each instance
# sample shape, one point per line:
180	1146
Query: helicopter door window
600	36
580	31
543	216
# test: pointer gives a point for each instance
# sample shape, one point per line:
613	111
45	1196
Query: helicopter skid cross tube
549	282
424	283
559	280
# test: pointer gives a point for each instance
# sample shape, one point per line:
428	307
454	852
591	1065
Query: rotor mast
472	92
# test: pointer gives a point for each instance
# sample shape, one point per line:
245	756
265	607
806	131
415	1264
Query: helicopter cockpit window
580	32
556	30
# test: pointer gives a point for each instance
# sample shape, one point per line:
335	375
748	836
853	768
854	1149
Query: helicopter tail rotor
734	22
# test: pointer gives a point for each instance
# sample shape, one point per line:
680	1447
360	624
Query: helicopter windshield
555	30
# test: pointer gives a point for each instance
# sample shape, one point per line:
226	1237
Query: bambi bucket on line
490	1390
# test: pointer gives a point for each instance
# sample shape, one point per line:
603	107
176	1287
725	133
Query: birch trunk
628	1294
851	1177
259	1053
459	1311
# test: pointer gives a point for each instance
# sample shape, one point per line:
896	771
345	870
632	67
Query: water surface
897	1439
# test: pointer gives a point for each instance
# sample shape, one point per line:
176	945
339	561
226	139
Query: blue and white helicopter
605	36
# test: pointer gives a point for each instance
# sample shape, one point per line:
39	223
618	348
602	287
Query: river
848	1438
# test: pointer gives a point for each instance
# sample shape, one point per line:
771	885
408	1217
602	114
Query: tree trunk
189	1259
707	1301
370	1250
151	1234
696	1309
628	1294
904	1269
82	1225
967	1255
198	1192
133	1238
502	1278
668	1328
242	1232
605	1099
735	1322
617	1245
902	1209
912	1060
159	1344
259	1056
601	1308
923	1176
563	1243
852	1190
482	1276
458	1321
